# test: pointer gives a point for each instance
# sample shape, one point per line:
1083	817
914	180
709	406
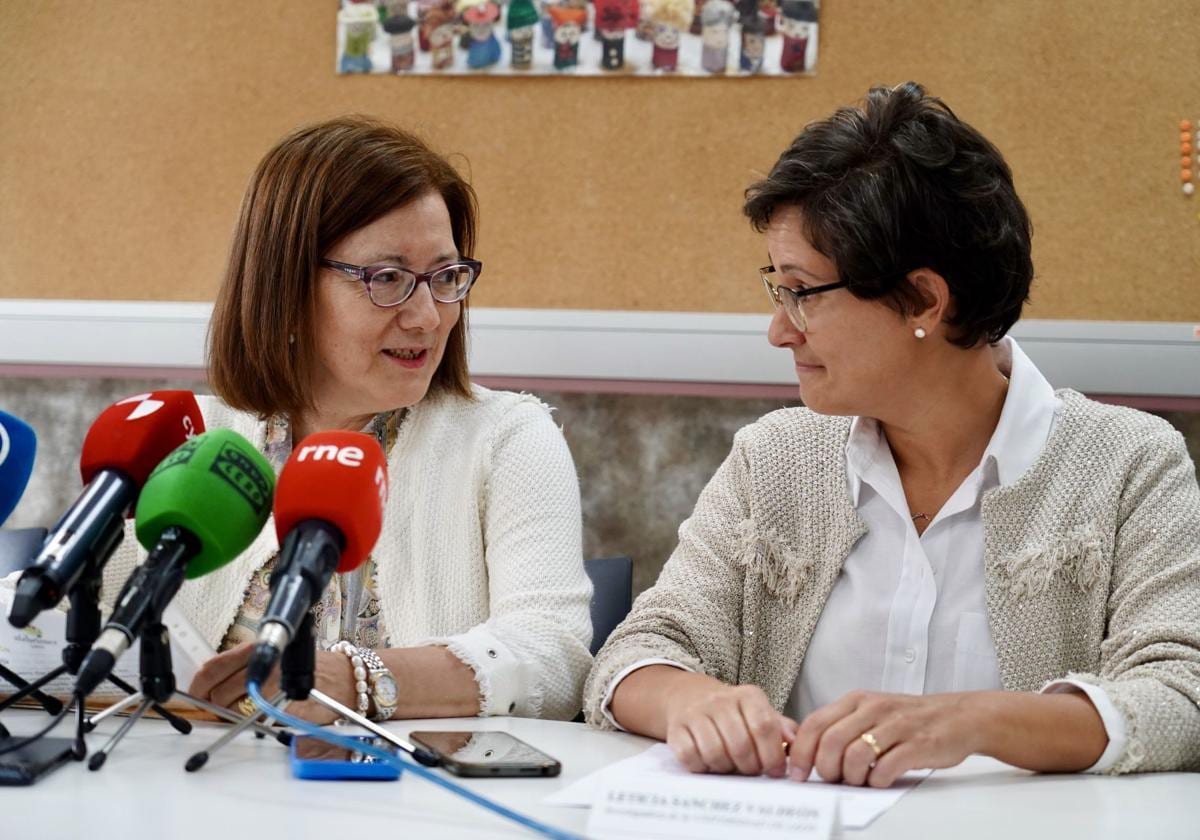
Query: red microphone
133	435
328	513
339	478
122	447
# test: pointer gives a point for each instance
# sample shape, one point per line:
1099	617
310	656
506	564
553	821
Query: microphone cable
403	764
25	742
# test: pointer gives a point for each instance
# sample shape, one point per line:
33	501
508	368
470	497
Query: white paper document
710	808
858	807
37	649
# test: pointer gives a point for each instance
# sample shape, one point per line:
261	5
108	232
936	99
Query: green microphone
199	509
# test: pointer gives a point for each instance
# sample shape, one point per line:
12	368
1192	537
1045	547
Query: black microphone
200	508
328	514
121	448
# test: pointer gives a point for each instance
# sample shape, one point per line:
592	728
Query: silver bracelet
382	684
360	673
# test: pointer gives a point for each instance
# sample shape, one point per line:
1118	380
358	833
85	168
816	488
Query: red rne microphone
339	478
121	448
329	504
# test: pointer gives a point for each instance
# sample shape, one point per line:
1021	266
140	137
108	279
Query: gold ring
872	743
246	706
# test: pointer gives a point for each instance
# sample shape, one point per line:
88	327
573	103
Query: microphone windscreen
135	434
18	445
340	478
218	487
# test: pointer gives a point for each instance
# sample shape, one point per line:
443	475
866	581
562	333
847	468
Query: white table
247	791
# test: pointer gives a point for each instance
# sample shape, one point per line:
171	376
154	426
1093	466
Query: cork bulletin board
128	131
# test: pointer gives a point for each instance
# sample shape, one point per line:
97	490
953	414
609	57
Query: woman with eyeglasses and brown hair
941	554
344	308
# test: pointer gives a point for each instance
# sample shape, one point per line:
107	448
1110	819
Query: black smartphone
486	754
28	764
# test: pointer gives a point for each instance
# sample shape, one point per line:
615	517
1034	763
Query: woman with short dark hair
940	555
344	307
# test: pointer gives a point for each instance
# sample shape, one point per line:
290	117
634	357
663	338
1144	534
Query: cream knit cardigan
481	549
1092	570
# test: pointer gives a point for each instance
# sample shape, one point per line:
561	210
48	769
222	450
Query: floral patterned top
349	608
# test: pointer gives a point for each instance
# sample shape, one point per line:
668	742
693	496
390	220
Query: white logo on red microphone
381	486
347	456
145	406
4	446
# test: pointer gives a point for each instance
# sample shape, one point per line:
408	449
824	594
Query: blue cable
356	745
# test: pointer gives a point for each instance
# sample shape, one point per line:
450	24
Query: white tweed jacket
481	549
1092	570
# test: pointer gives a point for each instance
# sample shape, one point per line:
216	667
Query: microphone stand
158	686
51	704
83	628
297	680
16	551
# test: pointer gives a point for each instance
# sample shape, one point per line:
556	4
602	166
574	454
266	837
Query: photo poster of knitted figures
662	38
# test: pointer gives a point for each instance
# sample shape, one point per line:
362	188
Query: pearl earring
292	338
919	332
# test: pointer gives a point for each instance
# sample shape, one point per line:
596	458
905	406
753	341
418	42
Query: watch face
385	691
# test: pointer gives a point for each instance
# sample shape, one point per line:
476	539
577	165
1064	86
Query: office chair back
612	595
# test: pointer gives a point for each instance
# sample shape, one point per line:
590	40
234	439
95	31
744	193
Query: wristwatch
382	685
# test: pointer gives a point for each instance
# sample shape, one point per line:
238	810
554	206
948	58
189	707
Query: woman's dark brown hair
900	183
316	186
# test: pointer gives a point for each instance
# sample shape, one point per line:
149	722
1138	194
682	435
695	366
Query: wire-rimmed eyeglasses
389	285
790	299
